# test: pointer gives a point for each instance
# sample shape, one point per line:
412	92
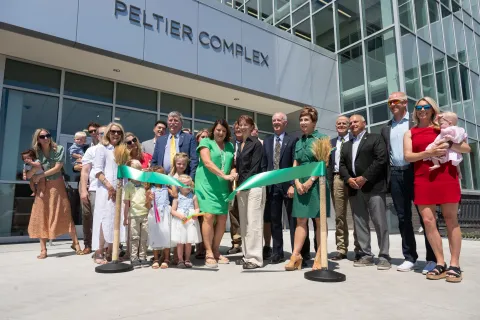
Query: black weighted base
324	275
114	267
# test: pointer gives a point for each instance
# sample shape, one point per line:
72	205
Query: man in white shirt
88	187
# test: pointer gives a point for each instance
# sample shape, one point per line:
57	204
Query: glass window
457	11
233	115
264	122
441	77
319	4
136	97
379	113
31	76
323	34
465	83
300	14
466	5
298	3
435	24
382	66
475	8
376	129
362	112
228	3
470	115
76	115
80	86
302	30
348	21
352	83
465	168
282	9
476	26
476	95
410	64
422	19
426	68
199	125
406	13
468	20
475	161
477	41
139	123
21	113
460	39
170	102
284	24
378	15
239	6
265	10
251	7
448	31
454	81
209	111
472	56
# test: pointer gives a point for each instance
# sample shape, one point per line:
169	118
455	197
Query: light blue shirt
275	137
356	143
396	141
166	157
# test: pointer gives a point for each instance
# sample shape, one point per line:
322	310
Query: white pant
251	204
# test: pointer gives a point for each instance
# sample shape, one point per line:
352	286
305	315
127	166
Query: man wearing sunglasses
159	129
88	185
400	179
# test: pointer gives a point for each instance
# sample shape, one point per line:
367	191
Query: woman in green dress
214	174
306	201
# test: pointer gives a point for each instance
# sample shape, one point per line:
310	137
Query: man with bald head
363	162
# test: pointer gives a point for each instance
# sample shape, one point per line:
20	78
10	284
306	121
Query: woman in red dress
133	144
437	187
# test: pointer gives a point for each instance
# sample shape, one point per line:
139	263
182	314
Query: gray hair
362	118
284	116
176	114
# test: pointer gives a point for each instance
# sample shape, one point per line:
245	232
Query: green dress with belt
307	205
212	191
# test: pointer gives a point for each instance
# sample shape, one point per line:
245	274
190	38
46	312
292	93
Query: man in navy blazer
282	145
184	142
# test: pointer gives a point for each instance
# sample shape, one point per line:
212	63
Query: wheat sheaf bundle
321	149
121	154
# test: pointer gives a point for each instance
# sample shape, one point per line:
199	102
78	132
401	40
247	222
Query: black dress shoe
267	253
275	259
250	266
338	256
240	262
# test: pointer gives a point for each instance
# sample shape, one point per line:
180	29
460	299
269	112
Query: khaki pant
138	237
251	204
340	201
87	219
235	224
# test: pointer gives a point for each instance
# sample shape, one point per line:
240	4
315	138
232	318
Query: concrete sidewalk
65	286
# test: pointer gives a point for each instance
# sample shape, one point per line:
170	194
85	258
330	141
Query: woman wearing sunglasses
437	187
51	213
105	170
135	147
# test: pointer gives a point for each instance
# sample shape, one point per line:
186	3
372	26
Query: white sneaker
429	267
406	266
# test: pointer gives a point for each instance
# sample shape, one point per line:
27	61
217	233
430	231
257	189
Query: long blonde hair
178	156
35	145
139	155
106	136
435	113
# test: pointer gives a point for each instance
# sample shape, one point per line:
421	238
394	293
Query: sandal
188	264
222	260
165	264
213	264
42	255
439	272
454	274
181	265
79	251
99	259
155	264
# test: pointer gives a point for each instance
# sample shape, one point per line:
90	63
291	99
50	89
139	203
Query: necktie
342	140
276	157
173	151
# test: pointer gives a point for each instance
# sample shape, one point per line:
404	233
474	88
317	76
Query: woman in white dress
105	169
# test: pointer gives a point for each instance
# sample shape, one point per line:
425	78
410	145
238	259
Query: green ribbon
150	177
315	169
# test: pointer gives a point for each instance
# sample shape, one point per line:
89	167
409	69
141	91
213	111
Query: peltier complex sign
184	32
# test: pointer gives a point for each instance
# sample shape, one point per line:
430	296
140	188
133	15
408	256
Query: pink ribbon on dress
157	215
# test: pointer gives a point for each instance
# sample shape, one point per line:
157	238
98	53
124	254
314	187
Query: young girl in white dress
185	232
180	165
159	223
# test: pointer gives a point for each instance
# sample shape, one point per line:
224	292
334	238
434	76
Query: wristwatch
313	179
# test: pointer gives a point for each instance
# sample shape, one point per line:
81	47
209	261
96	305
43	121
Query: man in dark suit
362	166
338	188
278	153
175	141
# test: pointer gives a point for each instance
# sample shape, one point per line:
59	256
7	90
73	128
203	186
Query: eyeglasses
425	107
134	140
92	131
396	101
117	132
45	136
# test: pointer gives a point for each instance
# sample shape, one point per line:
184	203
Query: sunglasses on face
117	132
92	131
134	140
45	136
394	102
425	107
